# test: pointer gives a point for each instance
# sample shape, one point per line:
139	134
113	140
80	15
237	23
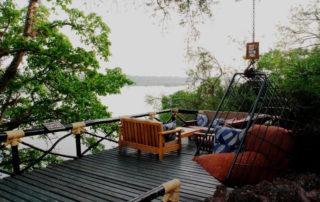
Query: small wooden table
187	132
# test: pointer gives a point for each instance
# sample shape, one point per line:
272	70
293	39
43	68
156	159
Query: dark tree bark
12	69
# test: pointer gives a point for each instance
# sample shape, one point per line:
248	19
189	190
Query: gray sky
140	46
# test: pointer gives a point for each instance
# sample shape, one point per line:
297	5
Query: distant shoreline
158	80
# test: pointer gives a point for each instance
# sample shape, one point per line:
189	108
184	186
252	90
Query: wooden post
15	159
78	145
174	112
152	115
77	129
161	142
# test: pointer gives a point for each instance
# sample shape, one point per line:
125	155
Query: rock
293	187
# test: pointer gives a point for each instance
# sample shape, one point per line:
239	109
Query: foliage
190	14
305	26
28	156
205	90
298	74
43	76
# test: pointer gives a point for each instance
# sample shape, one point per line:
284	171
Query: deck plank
111	176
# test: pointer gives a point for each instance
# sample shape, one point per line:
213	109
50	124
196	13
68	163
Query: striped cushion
170	126
202	120
227	139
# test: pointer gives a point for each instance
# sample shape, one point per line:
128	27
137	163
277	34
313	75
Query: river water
132	99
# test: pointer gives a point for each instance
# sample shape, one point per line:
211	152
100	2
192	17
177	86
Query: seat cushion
170	126
227	139
202	120
217	122
272	141
249	167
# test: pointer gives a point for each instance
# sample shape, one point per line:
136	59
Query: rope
13	137
172	189
152	115
78	127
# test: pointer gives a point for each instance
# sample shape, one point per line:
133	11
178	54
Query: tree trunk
13	67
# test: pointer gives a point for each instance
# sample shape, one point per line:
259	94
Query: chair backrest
141	131
225	115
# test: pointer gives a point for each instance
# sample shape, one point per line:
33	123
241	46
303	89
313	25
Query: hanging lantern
252	51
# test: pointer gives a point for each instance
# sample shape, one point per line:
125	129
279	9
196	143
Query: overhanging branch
13	67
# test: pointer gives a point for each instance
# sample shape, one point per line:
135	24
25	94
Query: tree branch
9	52
5	29
52	26
13	67
5	107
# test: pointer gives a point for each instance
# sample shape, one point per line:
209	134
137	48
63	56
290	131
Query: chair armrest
170	131
191	123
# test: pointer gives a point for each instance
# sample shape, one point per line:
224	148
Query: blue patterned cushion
227	139
202	120
217	121
170	126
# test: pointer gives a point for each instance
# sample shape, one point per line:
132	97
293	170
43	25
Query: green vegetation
43	76
298	74
295	70
204	91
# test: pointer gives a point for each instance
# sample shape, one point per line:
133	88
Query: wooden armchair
148	136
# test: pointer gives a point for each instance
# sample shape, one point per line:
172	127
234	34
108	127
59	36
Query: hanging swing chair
251	148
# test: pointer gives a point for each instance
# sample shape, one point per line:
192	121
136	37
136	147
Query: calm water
130	101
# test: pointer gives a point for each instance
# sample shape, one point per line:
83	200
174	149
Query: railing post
13	139
15	159
78	145
77	129
174	112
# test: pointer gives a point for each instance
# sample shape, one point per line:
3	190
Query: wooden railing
15	137
169	190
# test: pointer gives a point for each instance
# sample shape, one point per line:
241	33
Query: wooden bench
147	136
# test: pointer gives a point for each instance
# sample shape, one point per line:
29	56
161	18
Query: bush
298	74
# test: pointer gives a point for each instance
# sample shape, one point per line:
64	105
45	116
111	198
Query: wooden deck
111	176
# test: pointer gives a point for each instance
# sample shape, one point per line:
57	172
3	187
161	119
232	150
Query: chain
248	72
253	19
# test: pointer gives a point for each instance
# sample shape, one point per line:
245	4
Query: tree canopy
43	76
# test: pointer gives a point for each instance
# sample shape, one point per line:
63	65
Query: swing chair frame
265	145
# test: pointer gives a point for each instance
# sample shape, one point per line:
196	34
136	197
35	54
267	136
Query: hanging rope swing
252	52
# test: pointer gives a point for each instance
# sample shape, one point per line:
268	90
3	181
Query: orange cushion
272	141
248	167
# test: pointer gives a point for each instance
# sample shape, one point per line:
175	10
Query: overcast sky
141	45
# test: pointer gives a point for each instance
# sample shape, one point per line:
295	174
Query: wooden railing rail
14	137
